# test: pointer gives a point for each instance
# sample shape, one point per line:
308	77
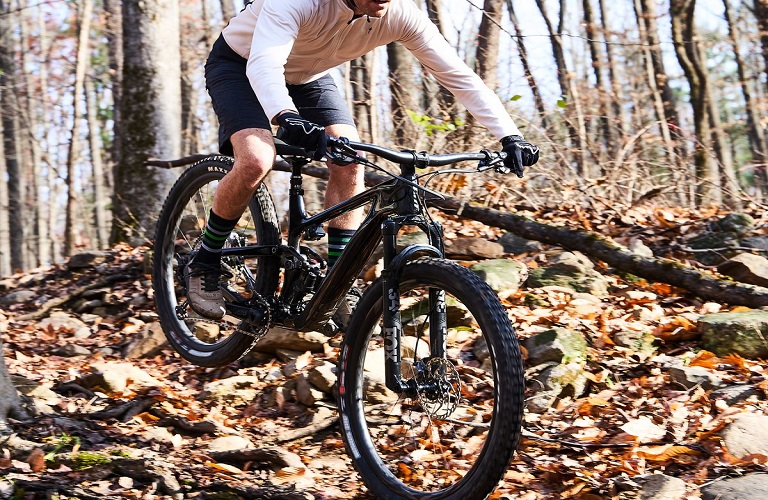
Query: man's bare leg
254	156
344	181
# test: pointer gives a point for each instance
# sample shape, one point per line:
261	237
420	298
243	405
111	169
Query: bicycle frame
393	204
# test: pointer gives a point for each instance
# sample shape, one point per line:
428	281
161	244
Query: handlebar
342	147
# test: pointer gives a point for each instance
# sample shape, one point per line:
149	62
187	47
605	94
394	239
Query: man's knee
254	153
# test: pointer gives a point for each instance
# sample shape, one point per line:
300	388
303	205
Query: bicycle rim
455	437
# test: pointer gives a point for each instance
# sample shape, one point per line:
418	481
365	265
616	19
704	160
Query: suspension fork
394	263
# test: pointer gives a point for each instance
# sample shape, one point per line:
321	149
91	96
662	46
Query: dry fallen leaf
644	429
231	469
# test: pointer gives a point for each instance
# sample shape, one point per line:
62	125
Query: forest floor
152	434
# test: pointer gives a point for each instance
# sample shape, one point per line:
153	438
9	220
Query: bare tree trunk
363	110
84	27
576	132
596	54
683	34
5	234
45	219
405	92
538	100
29	147
486	57
438	101
728	178
615	97
150	115
227	10
115	52
487	60
755	133
100	195
663	98
11	140
761	14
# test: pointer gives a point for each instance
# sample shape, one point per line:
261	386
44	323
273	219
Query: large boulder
558	345
570	270
749	487
742	333
502	274
747	268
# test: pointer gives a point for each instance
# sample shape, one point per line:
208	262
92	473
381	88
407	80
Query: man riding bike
270	67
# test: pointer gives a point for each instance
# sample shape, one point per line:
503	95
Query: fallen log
599	247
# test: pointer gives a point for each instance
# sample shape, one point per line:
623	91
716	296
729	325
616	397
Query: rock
735	222
735	394
719	241
756	242
118	376
570	270
149	341
641	343
747	268
563	380
414	238
750	487
742	333
652	487
88	259
229	443
517	245
18	297
323	376
473	249
71	351
746	435
637	247
305	393
233	390
374	385
283	338
557	345
693	376
502	274
60	320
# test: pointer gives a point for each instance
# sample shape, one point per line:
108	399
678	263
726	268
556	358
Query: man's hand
520	154
296	131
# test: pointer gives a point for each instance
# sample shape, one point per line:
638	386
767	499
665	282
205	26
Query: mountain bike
430	375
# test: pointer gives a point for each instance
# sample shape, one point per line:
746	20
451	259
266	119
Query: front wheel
454	437
179	232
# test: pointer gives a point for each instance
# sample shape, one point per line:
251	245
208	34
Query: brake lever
340	152
492	160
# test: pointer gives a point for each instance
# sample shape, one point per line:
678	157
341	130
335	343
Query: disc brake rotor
439	387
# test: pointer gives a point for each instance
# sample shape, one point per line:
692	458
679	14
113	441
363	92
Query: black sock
337	242
217	231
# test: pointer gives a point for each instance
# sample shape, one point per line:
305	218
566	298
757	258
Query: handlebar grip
285	149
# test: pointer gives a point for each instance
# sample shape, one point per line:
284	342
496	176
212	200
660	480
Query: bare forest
629	101
652	118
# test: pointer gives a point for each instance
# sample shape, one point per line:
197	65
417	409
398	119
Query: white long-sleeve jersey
298	41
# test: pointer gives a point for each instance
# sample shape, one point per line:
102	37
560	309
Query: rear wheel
455	436
179	229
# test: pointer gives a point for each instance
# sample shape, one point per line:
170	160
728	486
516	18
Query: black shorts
237	107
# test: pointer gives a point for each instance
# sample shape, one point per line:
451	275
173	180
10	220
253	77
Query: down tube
341	276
